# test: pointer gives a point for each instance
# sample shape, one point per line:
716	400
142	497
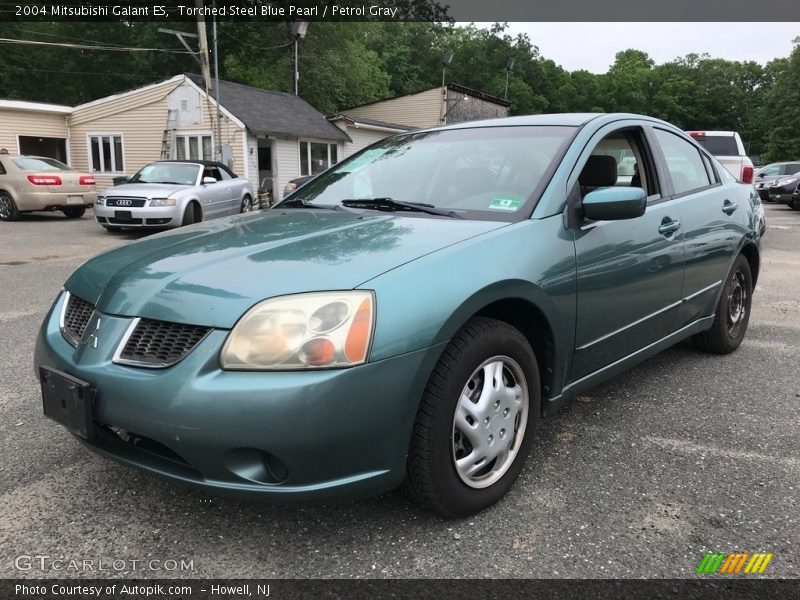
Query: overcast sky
592	46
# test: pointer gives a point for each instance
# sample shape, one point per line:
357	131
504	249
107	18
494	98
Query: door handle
728	207
667	228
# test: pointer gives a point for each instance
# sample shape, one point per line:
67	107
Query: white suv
728	148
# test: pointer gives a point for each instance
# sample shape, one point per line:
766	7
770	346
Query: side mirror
615	203
207	180
761	175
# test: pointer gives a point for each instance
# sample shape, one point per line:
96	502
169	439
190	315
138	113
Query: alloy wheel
737	303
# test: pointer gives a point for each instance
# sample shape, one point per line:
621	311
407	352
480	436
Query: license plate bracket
123	215
68	400
75	200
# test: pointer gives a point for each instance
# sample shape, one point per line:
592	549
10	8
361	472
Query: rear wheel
8	208
247	204
732	314
74	212
476	421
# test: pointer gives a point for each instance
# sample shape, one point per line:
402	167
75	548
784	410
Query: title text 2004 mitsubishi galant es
407	317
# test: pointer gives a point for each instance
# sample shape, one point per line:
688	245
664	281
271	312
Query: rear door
630	271
710	205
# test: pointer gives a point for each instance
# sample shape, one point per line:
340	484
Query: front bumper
338	433
163	216
55	200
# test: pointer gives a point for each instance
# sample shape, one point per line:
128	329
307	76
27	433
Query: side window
212	172
791	168
619	159
773	170
223	174
684	163
2	168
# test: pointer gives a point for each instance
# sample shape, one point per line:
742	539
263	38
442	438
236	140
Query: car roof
205	163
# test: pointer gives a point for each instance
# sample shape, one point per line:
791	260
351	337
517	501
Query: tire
190	215
794	204
8	208
433	478
247	204
730	323
74	212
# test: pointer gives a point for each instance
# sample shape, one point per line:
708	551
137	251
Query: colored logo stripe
734	563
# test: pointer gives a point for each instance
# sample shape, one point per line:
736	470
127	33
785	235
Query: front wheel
794	203
732	313
476	421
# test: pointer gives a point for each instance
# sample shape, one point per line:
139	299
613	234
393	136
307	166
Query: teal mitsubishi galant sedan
407	317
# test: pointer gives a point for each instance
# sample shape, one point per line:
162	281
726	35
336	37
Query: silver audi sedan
173	193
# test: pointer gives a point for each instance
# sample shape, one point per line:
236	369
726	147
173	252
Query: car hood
211	273
145	190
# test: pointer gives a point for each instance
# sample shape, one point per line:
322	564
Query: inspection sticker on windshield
506	203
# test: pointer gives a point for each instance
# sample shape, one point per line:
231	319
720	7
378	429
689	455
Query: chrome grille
74	318
124	202
158	344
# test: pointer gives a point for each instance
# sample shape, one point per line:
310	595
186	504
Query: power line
241	41
67	37
89	47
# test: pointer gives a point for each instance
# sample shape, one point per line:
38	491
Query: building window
193	147
315	157
105	153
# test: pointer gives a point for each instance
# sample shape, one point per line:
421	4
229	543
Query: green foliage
347	64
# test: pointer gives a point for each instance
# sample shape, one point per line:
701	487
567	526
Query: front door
629	272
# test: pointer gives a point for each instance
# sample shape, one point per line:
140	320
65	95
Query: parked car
32	183
782	190
411	318
296	183
171	193
765	176
727	146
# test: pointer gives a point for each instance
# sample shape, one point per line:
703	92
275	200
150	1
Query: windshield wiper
392	205
303	203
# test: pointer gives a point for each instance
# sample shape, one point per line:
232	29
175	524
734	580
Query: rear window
718	145
40	164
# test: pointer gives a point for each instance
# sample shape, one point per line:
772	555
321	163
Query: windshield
480	173
40	164
174	173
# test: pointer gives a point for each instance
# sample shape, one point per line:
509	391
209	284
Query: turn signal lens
302	331
355	348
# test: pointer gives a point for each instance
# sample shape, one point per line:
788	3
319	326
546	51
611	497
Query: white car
171	193
727	146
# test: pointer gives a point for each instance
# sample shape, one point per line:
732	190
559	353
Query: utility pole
218	149
509	67
447	57
202	36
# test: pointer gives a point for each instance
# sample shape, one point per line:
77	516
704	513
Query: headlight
303	331
162	201
787	181
101	200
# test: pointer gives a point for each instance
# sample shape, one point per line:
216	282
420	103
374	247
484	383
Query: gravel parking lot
685	454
